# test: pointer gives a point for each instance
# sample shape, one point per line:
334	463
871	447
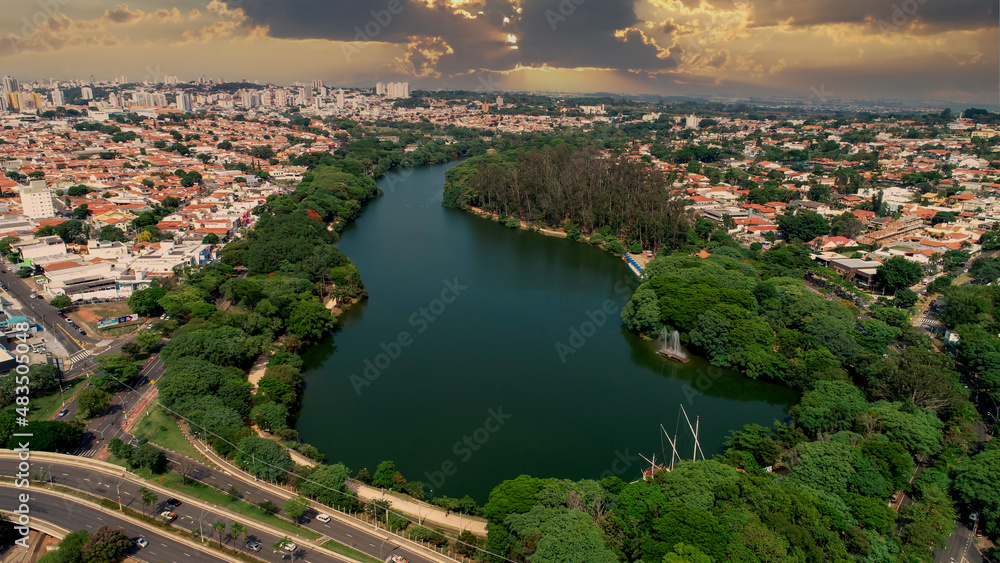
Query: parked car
82	331
323	517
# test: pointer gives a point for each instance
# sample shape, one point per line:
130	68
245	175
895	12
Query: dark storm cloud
559	33
926	16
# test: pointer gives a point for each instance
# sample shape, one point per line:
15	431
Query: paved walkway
416	510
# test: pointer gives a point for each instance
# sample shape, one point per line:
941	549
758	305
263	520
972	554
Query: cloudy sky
908	49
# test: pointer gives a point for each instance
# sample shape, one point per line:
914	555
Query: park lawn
163	431
350	552
42	408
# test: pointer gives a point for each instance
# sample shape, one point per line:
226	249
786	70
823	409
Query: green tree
803	226
111	233
70	549
148	339
149	456
642	313
237	530
296	507
898	273
263	458
905	298
92	402
386	476
61	302
977	483
210	238
119	367
146	302
270	416
846	225
829	407
309	320
71	232
148	498
106	545
220	527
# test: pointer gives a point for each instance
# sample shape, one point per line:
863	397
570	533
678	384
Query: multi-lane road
123	411
71	515
106	481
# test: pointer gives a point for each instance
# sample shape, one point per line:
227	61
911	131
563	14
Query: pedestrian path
79	356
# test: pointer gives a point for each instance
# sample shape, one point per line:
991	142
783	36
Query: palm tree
280	544
148	498
219	526
237	530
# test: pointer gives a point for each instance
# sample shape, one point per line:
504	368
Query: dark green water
493	348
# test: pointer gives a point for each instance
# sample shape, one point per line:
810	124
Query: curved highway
97	479
70	515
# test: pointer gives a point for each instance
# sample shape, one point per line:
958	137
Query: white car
289	547
141	542
323	518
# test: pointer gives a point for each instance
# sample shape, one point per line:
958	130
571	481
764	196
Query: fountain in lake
670	346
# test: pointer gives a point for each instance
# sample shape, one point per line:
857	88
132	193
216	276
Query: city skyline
915	50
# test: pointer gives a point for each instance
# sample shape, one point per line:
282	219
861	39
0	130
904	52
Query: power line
292	474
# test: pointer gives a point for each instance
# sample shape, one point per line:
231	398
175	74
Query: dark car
172	502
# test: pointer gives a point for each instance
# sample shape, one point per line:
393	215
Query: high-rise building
281	98
87	93
57	98
691	121
249	99
113	100
380	89
499	101
397	90
10	84
319	84
340	98
184	102
36	200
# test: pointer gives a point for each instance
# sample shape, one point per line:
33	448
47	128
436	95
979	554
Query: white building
57	98
184	102
398	90
36	200
87	93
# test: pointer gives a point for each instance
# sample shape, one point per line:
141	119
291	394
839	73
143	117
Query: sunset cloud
692	47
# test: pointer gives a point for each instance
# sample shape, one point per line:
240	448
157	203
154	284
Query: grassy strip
42	408
223	500
163	431
337	547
